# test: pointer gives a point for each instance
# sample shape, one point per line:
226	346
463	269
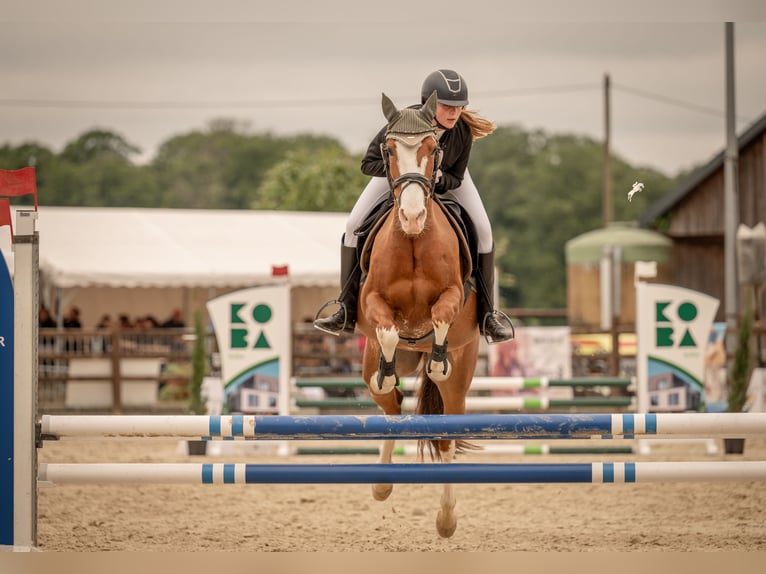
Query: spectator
103	343
72	318
175	321
72	321
45	321
47	344
124	321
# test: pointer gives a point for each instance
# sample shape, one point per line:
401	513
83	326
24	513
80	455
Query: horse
415	307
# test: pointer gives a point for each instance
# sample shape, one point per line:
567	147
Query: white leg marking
446	521
382	491
388	339
436	370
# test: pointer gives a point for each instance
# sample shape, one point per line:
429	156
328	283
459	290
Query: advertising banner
6	404
252	328
673	326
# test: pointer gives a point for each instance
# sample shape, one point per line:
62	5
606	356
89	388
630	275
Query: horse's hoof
382	491
389	383
446	528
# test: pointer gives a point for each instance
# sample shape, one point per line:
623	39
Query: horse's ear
389	109
429	108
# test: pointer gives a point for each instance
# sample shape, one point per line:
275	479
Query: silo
623	244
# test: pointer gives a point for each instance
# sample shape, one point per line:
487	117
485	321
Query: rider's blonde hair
480	126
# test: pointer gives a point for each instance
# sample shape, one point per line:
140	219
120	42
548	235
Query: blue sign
6	405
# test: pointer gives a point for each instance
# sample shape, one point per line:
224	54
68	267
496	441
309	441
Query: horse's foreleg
443	313
446	520
383	382
384	379
438	367
383	491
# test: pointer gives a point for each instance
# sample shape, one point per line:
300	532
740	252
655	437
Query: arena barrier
419	473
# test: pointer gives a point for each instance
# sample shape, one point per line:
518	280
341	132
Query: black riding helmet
451	89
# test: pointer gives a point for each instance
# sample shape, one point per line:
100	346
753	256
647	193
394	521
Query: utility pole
607	200
731	195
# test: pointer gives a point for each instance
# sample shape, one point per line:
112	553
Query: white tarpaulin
137	247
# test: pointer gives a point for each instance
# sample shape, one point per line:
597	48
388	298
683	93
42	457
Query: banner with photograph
673	326
535	352
252	327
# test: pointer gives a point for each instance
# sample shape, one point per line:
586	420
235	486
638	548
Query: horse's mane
480	126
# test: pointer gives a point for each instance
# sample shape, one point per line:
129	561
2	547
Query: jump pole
482	404
477	384
513	449
484	426
419	473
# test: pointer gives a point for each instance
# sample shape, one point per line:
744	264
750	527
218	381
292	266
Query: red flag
15	182
280	271
5	214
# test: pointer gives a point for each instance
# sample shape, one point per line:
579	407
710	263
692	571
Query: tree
328	180
541	191
99	143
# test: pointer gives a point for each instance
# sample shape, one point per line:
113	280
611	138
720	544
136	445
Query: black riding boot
344	319
489	326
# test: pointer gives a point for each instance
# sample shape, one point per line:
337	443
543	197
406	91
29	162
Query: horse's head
411	154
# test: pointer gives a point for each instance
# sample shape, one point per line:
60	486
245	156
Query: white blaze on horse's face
410	155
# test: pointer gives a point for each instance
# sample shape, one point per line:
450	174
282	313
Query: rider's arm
372	162
457	151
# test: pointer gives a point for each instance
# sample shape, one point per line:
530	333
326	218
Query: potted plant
739	378
196	404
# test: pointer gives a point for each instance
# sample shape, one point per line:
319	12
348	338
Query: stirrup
345	317
505	318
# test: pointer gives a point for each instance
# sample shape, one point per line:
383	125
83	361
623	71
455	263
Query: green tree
329	180
541	191
99	143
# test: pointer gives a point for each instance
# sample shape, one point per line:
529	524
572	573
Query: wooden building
692	215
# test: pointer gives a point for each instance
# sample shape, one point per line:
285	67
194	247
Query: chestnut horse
414	307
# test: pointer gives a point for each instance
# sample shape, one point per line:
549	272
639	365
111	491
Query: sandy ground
496	517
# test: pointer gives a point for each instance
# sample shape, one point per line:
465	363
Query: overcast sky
153	70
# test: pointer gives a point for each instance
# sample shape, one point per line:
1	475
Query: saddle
458	218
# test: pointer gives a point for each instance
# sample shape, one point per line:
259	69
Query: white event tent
86	252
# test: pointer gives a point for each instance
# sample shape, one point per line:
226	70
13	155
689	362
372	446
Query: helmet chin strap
439	125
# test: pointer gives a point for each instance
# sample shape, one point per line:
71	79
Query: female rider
456	129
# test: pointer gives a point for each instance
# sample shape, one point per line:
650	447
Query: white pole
25	285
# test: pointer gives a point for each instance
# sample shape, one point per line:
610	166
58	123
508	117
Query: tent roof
138	247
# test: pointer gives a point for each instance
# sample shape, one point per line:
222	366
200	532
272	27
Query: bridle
427	183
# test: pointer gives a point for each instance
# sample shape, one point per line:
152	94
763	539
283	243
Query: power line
673	101
339	102
271	103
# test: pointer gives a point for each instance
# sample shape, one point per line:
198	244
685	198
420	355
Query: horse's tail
430	403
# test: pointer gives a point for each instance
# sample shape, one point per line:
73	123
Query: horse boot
492	330
344	319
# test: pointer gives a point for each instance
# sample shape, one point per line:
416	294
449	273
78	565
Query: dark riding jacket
456	145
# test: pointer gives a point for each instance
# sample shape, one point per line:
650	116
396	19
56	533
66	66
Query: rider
456	128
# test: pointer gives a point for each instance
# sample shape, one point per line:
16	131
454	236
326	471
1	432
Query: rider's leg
467	195
344	319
